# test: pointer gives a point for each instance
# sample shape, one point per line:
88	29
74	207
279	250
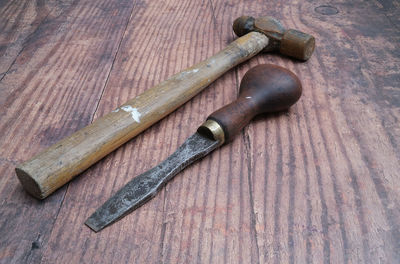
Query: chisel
264	89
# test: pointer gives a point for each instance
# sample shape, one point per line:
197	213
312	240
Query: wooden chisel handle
61	162
265	88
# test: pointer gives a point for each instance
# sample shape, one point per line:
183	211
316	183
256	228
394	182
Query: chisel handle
61	162
264	89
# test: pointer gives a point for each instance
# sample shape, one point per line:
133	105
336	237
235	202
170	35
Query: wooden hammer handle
58	164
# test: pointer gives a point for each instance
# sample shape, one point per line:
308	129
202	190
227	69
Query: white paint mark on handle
133	111
184	73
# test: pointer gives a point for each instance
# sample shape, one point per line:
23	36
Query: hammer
59	163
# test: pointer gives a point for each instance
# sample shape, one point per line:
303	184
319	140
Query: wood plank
58	57
18	20
322	198
318	183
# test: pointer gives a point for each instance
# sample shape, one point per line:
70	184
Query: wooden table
317	184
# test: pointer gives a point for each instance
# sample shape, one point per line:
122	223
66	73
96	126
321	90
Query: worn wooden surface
319	183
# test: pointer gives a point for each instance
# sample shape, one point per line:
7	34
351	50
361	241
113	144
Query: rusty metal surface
290	42
145	186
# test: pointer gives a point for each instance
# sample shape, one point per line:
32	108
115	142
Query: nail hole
326	10
35	245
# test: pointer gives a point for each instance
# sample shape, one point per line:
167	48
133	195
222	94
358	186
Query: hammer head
289	42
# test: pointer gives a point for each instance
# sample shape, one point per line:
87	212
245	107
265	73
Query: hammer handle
58	164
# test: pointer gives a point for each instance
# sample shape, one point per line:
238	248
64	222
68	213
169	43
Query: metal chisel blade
145	186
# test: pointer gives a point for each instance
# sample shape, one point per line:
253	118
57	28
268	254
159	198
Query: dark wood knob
264	89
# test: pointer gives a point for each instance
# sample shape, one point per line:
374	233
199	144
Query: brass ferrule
212	129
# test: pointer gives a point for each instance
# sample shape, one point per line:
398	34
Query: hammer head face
290	42
267	25
297	44
243	25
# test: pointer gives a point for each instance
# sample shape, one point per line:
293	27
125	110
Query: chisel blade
145	186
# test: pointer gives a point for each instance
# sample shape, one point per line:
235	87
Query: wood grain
56	60
317	184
